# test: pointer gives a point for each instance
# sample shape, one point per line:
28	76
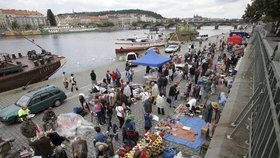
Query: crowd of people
205	72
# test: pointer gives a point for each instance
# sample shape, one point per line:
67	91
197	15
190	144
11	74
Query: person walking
114	77
97	108
109	114
73	83
108	77
65	80
160	104
155	92
120	113
118	77
93	78
172	95
79	148
127	91
148	105
160	84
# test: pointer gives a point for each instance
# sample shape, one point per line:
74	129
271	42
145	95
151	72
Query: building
22	18
121	20
74	20
146	18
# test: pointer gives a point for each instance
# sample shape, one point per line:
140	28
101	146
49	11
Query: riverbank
84	84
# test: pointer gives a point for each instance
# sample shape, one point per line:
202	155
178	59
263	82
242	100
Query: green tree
51	18
106	24
14	25
265	10
28	27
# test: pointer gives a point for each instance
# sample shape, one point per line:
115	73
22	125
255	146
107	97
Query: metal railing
263	109
265	129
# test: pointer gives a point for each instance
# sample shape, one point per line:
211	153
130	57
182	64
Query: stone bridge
233	23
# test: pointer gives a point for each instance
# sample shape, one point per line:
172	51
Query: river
82	50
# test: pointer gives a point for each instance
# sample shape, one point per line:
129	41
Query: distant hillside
128	11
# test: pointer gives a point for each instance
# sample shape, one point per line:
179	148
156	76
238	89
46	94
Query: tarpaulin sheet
196	124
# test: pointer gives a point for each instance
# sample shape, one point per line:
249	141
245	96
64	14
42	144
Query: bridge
249	124
216	24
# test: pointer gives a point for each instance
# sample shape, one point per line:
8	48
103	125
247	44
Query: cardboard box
204	132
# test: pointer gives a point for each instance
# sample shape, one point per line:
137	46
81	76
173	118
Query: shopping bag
169	152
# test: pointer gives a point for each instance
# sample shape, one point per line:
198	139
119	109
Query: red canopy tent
235	39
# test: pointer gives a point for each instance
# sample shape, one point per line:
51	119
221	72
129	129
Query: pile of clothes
150	146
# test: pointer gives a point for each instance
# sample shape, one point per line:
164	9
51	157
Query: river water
83	50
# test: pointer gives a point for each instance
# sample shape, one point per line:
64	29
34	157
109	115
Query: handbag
168	100
169	152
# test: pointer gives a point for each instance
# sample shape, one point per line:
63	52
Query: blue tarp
151	59
196	124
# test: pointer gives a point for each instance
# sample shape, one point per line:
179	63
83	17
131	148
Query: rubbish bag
71	125
169	152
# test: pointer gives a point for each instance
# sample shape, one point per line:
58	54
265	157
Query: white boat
139	43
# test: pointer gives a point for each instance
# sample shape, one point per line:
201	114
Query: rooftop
20	12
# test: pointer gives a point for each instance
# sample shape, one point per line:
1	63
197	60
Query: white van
130	57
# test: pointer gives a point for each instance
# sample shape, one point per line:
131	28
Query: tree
28	27
265	10
106	24
14	25
51	18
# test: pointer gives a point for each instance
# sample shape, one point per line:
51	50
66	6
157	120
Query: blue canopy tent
151	59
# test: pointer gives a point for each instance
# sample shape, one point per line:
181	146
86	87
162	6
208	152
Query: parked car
36	100
130	57
172	48
202	37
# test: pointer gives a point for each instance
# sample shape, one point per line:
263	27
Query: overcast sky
167	8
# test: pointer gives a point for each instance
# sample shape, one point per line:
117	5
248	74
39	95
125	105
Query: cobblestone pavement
83	80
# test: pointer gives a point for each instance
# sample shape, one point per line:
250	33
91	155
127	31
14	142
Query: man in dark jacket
28	128
204	68
147	122
93	78
172	94
55	138
49	116
42	146
160	84
148	105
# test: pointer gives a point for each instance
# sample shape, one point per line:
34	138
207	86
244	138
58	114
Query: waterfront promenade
84	84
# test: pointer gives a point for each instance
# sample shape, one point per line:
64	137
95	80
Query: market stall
235	39
152	59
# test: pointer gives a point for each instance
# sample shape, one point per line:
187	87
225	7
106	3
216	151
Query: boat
22	33
66	29
139	43
20	71
183	33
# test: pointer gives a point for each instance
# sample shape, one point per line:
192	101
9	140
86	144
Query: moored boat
20	71
139	43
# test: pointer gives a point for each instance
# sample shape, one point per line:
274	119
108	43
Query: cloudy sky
167	8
